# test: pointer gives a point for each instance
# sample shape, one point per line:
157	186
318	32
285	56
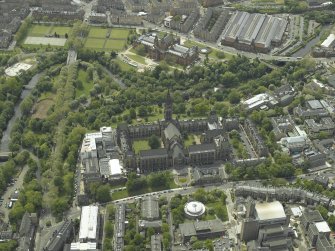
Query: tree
142	111
26	105
154	142
161	180
59	206
323	211
109	229
132	113
234	97
103	194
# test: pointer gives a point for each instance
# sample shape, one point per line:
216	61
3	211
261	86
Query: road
231	49
307	48
116	79
4	146
11	189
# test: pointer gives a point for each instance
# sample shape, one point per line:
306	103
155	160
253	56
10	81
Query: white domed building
194	209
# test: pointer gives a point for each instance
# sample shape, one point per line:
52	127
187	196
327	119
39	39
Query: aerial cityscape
167	125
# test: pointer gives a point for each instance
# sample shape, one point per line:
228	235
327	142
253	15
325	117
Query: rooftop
322	227
150	208
191	228
314	104
88	222
162	152
16	69
270	210
194	208
329	41
115	168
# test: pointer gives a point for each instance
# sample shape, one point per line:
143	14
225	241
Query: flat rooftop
270	210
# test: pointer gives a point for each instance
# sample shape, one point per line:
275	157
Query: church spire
168	107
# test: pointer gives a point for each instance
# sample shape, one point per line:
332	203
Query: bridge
4	156
71	57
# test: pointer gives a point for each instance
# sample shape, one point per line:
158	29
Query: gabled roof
201	148
162	152
171	131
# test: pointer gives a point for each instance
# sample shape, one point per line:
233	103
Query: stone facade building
12	12
167	47
211	25
101	149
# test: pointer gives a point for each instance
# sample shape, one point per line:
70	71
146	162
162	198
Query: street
11	189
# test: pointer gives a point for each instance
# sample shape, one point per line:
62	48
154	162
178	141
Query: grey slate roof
171	131
161	152
201	148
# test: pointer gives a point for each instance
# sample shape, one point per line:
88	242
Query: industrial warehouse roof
270	210
88	222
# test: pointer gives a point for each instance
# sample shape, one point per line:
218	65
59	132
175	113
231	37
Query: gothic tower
168	108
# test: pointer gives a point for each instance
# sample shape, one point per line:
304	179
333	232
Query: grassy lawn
95	43
153	118
269	1
87	86
117	186
116	45
182	179
137	58
61	30
119	33
97	33
39	30
120	195
139	145
124	66
189	141
212	54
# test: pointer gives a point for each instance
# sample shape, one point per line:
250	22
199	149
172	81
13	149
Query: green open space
137	58
182	179
97	32
117	33
87	86
212	54
189	141
39	30
116	45
119	195
139	145
124	66
61	30
269	1
95	43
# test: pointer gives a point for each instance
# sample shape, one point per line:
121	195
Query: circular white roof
194	208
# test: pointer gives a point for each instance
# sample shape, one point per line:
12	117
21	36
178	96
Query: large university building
108	153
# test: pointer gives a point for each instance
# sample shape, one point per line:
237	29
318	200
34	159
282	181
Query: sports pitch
45	41
38	30
107	39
